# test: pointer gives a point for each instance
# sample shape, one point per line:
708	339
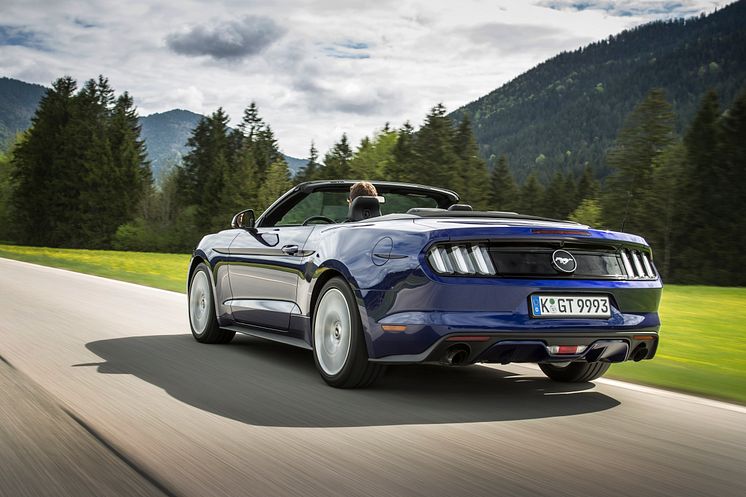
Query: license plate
570	306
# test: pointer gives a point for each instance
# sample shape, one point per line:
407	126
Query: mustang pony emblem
564	262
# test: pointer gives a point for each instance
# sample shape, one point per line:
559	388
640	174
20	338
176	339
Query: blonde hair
362	188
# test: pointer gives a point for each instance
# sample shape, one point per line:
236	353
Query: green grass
167	271
703	344
703	338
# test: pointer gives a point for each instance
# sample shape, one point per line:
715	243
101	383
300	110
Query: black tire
206	328
575	372
357	371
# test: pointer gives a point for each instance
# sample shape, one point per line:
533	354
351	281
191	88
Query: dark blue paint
402	289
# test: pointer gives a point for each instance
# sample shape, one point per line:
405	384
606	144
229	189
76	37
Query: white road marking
659	392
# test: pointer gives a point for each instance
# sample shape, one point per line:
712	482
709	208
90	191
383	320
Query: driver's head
362	189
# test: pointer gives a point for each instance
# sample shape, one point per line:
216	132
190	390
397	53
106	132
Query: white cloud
316	69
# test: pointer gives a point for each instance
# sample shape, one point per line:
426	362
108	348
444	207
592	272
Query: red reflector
567	349
467	338
546	231
643	337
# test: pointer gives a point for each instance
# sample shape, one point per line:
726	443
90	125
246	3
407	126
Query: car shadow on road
270	384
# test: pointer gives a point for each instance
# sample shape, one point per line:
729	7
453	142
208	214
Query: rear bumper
431	311
507	347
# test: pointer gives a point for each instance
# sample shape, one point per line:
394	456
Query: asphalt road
254	417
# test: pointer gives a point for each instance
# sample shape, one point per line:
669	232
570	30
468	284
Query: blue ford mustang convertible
412	276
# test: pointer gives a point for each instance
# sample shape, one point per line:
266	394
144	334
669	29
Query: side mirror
243	220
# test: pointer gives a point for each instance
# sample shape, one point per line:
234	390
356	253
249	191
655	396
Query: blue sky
315	68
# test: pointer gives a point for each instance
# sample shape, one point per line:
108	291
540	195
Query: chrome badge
564	262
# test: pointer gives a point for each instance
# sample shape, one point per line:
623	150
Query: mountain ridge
561	115
566	111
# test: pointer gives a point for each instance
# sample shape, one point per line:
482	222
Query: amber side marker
467	338
643	337
394	327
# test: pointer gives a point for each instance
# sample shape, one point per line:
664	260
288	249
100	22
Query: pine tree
251	123
277	182
732	154
205	168
310	170
664	193
39	170
570	199
6	231
337	160
403	156
436	159
259	138
361	165
473	168
240	180
266	151
95	218
504	194
84	162
554	198
588	187
531	196
134	177
647	132
705	190
194	166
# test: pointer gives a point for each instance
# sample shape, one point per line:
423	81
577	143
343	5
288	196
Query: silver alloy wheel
199	305
332	331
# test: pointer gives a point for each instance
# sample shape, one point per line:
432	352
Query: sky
316	69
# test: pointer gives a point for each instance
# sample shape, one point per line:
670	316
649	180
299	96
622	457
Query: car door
264	269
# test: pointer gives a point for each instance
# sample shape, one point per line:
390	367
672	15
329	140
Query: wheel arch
327	274
196	261
323	278
198	258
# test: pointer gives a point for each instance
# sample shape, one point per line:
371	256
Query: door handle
290	249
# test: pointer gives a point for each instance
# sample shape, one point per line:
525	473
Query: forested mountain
566	112
165	133
18	102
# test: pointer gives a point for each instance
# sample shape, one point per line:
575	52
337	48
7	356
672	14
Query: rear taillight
638	264
465	258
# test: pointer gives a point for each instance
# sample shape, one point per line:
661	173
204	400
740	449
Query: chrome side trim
264	305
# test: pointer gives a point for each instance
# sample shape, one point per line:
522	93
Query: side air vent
466	259
637	264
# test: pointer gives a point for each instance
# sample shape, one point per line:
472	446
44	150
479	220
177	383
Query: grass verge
703	344
167	271
703	337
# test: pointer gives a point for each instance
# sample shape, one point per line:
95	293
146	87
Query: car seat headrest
364	207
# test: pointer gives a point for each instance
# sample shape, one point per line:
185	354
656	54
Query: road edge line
651	390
